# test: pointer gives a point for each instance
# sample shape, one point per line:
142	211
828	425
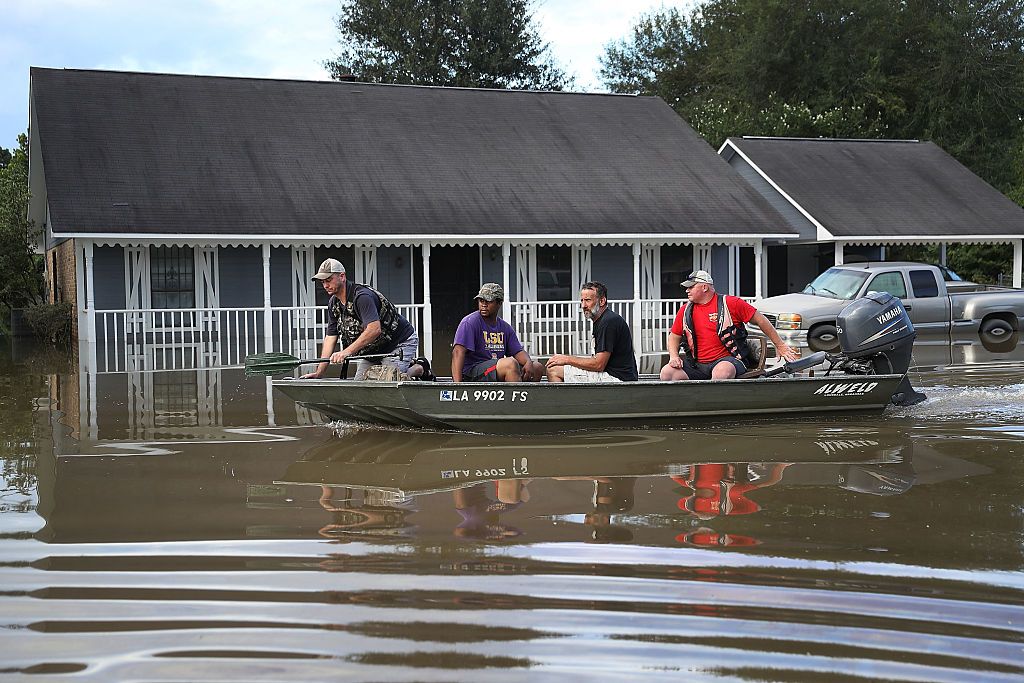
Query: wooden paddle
277	363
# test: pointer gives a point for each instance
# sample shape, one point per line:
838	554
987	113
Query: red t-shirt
705	325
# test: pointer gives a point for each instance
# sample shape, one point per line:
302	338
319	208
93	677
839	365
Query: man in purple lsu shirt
486	347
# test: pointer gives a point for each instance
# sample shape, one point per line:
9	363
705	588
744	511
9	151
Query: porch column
942	253
90	296
759	269
506	252
427	336
637	319
734	285
839	253
268	323
1018	261
81	327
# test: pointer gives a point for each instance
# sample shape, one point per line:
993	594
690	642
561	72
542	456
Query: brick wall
60	279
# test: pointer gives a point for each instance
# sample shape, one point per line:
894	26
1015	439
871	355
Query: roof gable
163	154
882	188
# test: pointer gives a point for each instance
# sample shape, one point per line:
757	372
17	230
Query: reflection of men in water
481	512
611	495
378	513
721	489
709	538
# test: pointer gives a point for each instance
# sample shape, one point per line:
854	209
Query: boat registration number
517	395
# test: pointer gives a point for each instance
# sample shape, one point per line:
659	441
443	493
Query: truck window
923	283
891	282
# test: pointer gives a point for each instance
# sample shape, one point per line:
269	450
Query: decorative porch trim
366	265
702	257
526	272
303	292
580	265
207	277
321	240
650	272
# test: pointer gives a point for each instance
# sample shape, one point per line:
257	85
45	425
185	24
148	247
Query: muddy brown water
193	526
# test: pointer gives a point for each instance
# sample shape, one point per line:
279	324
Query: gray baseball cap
328	268
699	276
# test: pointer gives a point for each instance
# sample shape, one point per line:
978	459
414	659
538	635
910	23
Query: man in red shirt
710	332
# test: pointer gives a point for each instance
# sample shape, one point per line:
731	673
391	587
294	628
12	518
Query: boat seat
760	348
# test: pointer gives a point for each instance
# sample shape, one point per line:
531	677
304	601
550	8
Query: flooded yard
193	525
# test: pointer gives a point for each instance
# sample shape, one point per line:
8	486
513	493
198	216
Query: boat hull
495	408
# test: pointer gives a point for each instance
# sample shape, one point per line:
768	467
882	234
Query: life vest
350	326
733	336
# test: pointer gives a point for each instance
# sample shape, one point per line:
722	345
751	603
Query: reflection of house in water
142	404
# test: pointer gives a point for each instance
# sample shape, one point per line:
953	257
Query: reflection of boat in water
869	375
395	461
713	480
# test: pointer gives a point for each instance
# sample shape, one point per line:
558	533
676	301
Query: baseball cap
491	291
698	276
328	268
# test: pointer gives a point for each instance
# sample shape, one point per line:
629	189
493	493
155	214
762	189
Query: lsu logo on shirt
494	343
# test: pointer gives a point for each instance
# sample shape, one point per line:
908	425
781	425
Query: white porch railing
158	339
299	331
140	340
550	327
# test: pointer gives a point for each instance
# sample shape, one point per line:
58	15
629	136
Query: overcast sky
263	38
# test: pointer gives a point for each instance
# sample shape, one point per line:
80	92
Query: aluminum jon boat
876	337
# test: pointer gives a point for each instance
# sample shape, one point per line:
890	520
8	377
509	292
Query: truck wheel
823	338
995	328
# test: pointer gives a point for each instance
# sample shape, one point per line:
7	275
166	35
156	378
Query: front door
454	281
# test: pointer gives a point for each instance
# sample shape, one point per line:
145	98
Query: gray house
185	214
847	197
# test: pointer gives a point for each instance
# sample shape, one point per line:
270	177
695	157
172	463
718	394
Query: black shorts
696	370
486	371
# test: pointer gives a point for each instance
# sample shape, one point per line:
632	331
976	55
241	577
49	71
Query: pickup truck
934	297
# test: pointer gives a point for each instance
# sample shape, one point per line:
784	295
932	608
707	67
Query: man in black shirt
613	359
366	322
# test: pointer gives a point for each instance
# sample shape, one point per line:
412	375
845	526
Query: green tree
949	71
464	43
21	282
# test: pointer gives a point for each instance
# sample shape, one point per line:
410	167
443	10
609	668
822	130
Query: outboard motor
877	338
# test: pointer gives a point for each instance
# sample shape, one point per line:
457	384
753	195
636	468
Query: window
837	283
923	283
891	282
172	277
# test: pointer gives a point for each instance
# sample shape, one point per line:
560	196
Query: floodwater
193	526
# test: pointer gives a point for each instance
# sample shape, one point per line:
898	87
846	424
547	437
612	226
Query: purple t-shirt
483	341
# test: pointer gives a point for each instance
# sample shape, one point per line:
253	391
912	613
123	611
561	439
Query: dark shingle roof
884	188
164	154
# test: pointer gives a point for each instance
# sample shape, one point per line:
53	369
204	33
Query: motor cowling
875	333
877	327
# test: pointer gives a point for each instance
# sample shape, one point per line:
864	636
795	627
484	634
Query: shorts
696	370
574	375
486	371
